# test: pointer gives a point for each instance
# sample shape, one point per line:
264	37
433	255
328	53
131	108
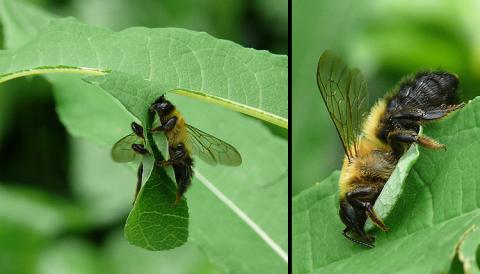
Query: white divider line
270	242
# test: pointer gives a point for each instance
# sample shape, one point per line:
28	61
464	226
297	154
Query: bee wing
211	149
345	94
122	151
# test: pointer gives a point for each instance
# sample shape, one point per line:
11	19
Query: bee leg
440	113
168	125
164	163
139	182
138	129
367	244
354	219
429	115
140	149
430	143
398	138
407	136
360	199
178	156
375	218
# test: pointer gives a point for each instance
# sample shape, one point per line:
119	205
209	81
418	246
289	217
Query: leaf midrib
270	242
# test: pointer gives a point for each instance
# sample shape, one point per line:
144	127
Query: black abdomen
427	90
427	97
183	174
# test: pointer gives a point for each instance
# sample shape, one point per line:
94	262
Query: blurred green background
385	40
63	212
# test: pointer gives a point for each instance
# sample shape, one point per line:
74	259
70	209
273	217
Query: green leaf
20	27
96	117
133	92
395	185
156	222
200	66
467	250
239	214
437	206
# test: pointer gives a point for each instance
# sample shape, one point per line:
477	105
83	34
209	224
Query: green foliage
250	81
156	222
124	258
259	190
240	210
436	213
394	187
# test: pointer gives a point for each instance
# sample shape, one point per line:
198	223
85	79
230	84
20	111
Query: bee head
354	220
162	106
160	99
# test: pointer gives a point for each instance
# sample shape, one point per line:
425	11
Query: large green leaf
239	215
218	71
20	27
436	211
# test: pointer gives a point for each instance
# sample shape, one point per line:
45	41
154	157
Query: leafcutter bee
375	142
184	140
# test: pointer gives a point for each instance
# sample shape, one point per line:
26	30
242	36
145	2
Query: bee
128	148
375	142
184	140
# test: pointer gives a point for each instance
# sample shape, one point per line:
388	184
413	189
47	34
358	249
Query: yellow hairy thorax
179	133
367	143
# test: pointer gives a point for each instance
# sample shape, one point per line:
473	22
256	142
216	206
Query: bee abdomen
427	90
183	171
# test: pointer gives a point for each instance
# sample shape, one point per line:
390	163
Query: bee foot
165	163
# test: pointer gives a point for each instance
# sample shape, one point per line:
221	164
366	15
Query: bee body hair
178	134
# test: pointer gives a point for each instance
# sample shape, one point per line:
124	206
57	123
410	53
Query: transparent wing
344	92
122	151
211	149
